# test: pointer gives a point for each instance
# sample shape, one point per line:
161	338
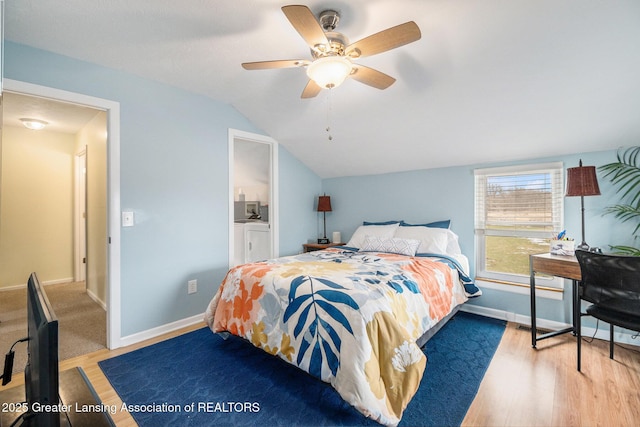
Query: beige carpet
81	322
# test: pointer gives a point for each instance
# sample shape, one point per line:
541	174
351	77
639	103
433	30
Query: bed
353	316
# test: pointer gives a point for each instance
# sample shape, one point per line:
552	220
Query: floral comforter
349	318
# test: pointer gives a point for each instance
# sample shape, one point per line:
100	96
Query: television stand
75	392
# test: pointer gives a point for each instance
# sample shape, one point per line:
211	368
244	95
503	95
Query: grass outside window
505	254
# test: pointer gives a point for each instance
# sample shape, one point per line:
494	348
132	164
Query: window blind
522	199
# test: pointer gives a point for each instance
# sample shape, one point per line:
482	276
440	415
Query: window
517	210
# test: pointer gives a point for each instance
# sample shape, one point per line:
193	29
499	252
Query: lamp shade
582	181
324	204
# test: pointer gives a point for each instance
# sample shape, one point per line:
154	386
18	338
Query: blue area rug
199	379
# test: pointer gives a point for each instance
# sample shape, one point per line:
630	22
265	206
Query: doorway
40	228
253	197
109	169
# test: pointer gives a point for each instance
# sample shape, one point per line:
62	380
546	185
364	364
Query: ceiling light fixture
329	71
34	124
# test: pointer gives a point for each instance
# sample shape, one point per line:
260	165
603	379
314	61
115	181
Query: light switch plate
192	286
127	219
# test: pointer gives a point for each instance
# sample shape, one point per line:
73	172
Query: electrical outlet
192	286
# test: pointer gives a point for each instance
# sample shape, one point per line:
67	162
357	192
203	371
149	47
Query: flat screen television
41	372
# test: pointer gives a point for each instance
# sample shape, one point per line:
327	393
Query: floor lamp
324	206
582	181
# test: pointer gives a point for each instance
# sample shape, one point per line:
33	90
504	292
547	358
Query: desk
560	266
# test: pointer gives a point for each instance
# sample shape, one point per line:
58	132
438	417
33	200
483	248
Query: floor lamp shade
324	206
582	181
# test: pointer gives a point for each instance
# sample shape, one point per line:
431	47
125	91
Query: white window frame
556	171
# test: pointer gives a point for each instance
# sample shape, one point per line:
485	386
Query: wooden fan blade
283	63
385	40
310	90
306	24
371	77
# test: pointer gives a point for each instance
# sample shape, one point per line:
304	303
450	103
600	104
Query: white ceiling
491	80
60	116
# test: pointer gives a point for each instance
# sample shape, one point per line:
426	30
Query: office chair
611	283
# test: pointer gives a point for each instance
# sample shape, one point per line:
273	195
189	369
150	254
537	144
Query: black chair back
609	279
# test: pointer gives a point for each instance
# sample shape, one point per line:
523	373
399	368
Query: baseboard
97	300
57	281
160	330
601	333
13	287
46	283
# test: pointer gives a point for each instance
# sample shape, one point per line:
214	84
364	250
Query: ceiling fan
333	56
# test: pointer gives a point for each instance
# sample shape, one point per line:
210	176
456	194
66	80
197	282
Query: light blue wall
174	176
299	188
448	193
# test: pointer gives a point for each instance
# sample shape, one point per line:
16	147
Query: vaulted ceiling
489	81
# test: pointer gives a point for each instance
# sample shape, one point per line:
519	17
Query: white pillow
432	240
382	231
393	245
453	247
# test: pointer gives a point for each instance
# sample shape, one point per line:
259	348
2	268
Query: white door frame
234	135
80	217
112	109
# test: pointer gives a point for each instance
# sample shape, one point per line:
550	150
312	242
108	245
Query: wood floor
541	387
522	387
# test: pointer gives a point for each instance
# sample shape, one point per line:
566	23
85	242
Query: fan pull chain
328	129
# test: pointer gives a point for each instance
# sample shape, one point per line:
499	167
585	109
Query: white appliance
252	242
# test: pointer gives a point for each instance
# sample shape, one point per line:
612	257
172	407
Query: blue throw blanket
470	287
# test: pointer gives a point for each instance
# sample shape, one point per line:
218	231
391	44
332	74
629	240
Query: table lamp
324	206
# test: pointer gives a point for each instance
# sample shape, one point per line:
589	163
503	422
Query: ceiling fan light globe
329	71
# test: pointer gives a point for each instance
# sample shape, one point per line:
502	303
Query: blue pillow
437	224
382	222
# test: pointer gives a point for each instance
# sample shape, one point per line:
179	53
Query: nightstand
310	247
